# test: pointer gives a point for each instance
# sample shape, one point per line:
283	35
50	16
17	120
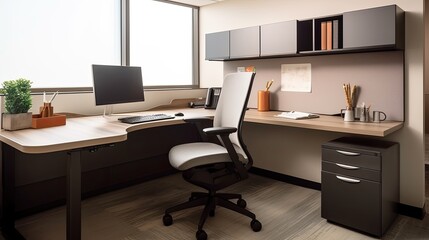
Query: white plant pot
16	121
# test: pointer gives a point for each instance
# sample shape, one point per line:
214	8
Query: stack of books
329	35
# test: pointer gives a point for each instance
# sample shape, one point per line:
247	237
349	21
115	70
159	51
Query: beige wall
296	152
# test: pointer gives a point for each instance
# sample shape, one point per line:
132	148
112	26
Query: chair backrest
232	104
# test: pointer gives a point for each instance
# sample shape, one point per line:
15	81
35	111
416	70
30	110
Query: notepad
297	115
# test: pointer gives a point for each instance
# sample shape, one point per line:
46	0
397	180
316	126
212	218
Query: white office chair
216	166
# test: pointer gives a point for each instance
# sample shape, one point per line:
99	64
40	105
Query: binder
329	35
323	35
335	34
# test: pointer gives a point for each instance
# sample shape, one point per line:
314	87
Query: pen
53	97
268	85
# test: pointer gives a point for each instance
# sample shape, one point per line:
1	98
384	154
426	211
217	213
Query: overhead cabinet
279	38
381	28
244	42
217	46
377	27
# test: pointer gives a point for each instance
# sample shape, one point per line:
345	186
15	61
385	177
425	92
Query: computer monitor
117	84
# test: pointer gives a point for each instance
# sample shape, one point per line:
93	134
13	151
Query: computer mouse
179	114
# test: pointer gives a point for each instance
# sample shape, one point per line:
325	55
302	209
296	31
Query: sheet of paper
296	77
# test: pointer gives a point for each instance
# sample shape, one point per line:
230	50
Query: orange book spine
323	36
329	35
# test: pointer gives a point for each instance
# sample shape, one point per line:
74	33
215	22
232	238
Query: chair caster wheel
241	203
256	225
167	219
201	235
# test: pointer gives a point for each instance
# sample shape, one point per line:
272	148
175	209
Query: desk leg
74	196
8	193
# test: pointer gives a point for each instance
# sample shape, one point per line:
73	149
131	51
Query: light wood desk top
326	123
98	130
88	131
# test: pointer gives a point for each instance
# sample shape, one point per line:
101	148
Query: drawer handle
348	167
349	180
348	153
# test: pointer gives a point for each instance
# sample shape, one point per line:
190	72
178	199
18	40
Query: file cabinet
360	183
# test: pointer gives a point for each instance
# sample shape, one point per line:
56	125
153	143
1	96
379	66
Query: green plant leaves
18	95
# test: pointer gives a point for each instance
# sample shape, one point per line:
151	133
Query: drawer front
352	202
352	171
353	158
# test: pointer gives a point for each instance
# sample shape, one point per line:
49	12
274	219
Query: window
54	43
162	42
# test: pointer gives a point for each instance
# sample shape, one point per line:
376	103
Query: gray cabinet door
279	38
244	42
370	28
217	46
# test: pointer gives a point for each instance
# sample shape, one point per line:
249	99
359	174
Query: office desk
326	123
78	134
97	131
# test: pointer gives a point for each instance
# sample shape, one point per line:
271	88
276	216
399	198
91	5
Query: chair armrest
198	120
219	130
200	123
223	133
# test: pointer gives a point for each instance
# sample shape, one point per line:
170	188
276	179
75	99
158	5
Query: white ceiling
198	2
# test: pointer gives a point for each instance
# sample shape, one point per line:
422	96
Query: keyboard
145	118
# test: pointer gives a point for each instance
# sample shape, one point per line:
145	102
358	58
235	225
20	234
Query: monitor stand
108	111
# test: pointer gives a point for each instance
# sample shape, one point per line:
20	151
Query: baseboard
410	211
286	178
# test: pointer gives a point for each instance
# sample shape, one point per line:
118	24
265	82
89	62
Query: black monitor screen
117	84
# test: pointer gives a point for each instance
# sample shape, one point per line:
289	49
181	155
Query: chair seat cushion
186	156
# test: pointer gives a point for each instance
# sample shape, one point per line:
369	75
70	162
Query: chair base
211	200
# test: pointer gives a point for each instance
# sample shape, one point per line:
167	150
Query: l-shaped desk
84	133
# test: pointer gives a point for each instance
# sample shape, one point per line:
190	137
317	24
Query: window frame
125	44
125	53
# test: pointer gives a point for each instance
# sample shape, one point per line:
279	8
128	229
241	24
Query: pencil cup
364	116
263	100
47	110
348	115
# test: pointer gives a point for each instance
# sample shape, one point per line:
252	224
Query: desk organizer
44	122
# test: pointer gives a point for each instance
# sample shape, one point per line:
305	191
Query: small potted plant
17	103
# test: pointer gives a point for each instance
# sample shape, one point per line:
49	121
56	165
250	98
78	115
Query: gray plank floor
134	213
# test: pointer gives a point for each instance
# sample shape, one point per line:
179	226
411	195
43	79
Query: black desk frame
73	229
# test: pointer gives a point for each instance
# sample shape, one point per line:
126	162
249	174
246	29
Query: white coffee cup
378	116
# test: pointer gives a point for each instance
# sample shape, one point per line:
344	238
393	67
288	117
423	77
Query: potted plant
17	103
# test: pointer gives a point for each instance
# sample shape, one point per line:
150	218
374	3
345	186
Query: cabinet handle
348	167
349	180
348	153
